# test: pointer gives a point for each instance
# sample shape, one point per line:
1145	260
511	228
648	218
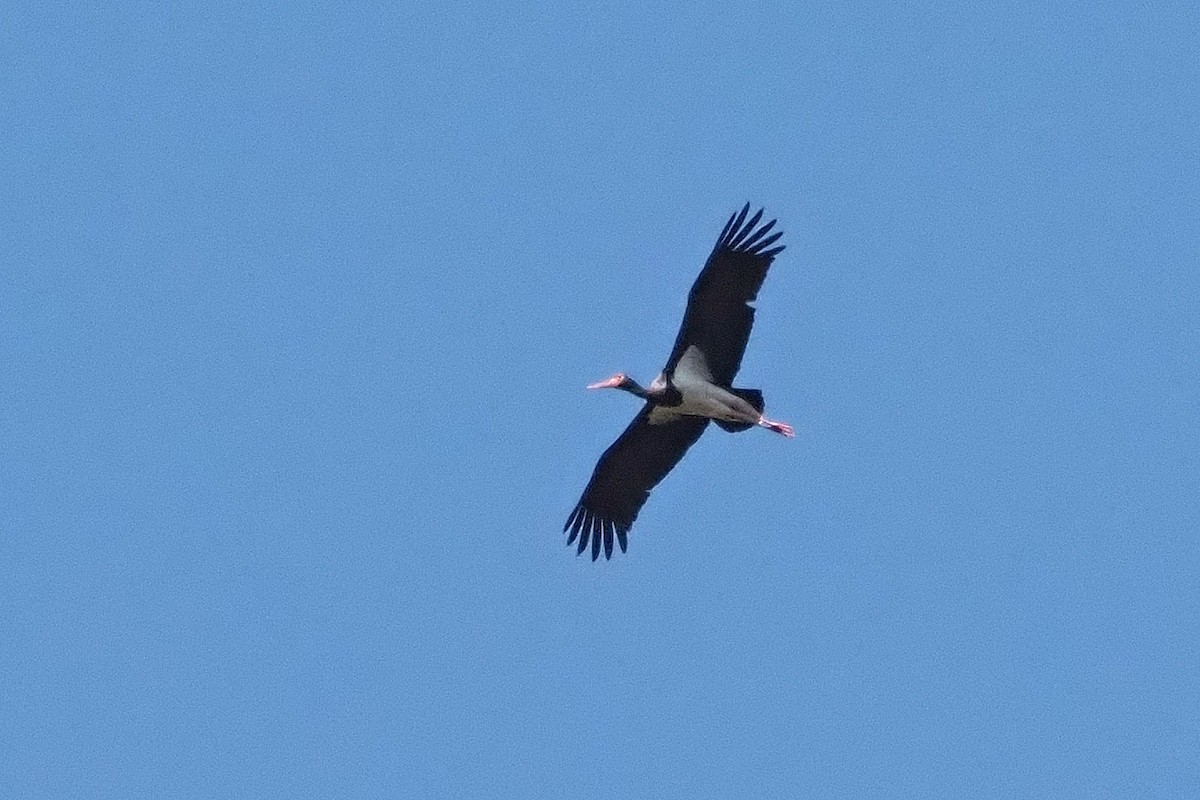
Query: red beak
610	383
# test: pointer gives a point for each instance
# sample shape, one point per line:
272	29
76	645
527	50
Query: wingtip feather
737	226
758	234
584	531
739	239
725	230
765	243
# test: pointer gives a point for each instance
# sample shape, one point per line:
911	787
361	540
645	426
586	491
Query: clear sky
296	311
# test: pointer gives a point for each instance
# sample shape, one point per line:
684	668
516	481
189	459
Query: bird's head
618	381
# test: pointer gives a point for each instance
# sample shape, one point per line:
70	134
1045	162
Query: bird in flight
694	387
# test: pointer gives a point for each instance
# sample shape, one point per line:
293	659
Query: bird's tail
753	397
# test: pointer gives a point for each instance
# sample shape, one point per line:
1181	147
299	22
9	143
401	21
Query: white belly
705	406
706	400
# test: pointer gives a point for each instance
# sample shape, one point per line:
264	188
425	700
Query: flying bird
693	388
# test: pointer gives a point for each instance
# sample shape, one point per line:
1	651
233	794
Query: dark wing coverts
624	476
718	320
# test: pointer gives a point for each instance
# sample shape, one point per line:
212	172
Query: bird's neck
635	388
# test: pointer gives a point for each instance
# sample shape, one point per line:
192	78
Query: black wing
718	319
624	476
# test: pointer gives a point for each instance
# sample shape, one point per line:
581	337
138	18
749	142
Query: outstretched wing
716	326
640	457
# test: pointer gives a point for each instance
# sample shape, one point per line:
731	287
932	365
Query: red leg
778	427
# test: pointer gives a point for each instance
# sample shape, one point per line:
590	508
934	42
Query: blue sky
296	310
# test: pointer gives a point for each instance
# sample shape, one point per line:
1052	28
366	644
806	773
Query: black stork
694	387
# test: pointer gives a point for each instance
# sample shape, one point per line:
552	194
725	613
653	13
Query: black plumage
693	388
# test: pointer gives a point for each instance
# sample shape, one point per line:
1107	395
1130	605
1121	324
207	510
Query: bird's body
694	388
699	398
